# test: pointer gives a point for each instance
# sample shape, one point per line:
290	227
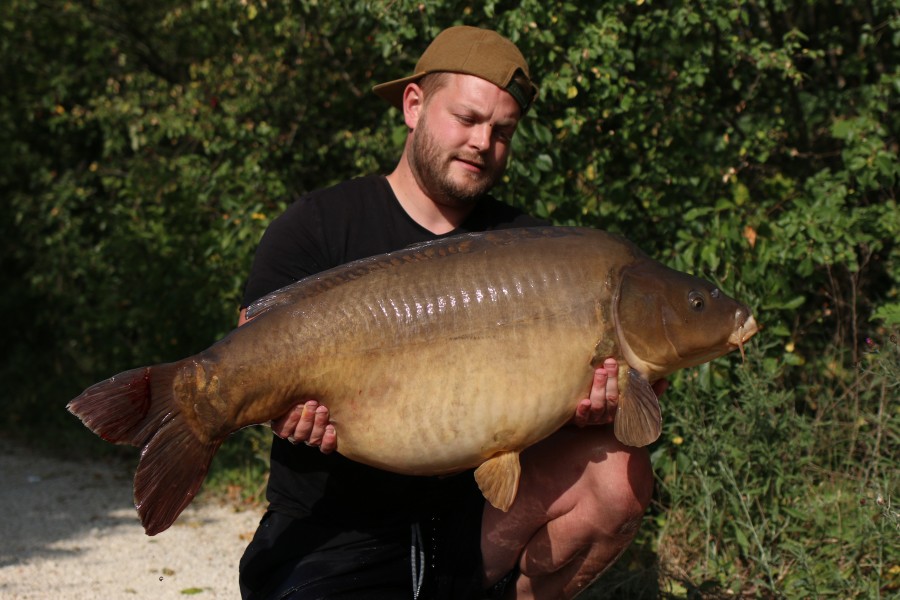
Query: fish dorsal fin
498	479
638	419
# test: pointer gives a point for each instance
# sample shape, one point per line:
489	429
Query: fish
445	356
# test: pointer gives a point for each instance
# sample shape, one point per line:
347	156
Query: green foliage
746	481
144	147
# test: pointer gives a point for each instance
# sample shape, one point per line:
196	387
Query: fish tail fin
173	466
120	409
138	407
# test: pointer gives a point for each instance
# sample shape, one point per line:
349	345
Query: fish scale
451	355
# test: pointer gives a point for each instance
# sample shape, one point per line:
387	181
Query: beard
432	171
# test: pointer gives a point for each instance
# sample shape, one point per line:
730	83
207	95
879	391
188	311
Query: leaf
696	212
741	539
543	163
888	313
791	304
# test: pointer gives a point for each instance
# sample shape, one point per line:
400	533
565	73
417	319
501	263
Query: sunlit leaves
145	146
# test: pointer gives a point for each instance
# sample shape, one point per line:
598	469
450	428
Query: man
338	529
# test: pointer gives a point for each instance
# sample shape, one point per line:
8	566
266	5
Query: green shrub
144	147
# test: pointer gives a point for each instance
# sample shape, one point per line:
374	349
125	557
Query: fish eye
696	300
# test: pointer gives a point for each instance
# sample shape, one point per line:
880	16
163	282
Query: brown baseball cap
471	51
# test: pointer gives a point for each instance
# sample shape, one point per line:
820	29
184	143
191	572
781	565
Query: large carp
477	345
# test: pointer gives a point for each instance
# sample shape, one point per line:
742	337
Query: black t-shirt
324	229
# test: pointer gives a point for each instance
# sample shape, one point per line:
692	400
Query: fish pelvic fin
498	479
138	407
638	418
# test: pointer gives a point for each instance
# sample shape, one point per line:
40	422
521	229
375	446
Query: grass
770	492
239	468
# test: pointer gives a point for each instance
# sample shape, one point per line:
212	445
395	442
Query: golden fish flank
485	341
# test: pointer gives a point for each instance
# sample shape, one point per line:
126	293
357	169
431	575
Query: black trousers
436	557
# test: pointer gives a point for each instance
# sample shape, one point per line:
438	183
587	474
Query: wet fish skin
476	346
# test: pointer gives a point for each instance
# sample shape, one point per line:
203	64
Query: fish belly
434	409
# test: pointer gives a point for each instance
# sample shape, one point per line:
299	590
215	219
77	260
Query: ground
69	530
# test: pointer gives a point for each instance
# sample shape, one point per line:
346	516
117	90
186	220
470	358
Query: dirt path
69	530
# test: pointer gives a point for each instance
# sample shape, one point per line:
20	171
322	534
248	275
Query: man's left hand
600	407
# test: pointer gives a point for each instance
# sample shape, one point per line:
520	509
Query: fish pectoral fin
498	479
638	419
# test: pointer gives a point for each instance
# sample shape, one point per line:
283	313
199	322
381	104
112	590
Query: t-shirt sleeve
291	248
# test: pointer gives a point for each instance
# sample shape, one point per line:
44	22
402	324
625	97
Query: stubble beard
432	171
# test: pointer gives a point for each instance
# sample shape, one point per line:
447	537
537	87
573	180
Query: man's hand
307	423
600	407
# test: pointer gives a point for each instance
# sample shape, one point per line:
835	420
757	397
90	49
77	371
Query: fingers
284	426
305	429
329	440
312	425
612	384
582	413
600	406
308	423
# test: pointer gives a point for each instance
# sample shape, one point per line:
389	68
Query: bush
144	147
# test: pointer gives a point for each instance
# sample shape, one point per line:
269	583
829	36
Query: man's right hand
307	423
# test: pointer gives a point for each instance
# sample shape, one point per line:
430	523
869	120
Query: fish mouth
744	332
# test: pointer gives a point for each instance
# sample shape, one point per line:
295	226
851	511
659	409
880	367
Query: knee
607	505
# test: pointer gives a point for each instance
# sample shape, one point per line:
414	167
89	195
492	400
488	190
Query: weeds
764	498
239	469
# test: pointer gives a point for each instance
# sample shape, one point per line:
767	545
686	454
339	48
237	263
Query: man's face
460	143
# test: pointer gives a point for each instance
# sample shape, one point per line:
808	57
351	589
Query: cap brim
392	91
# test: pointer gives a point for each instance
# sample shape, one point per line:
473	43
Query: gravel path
69	530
